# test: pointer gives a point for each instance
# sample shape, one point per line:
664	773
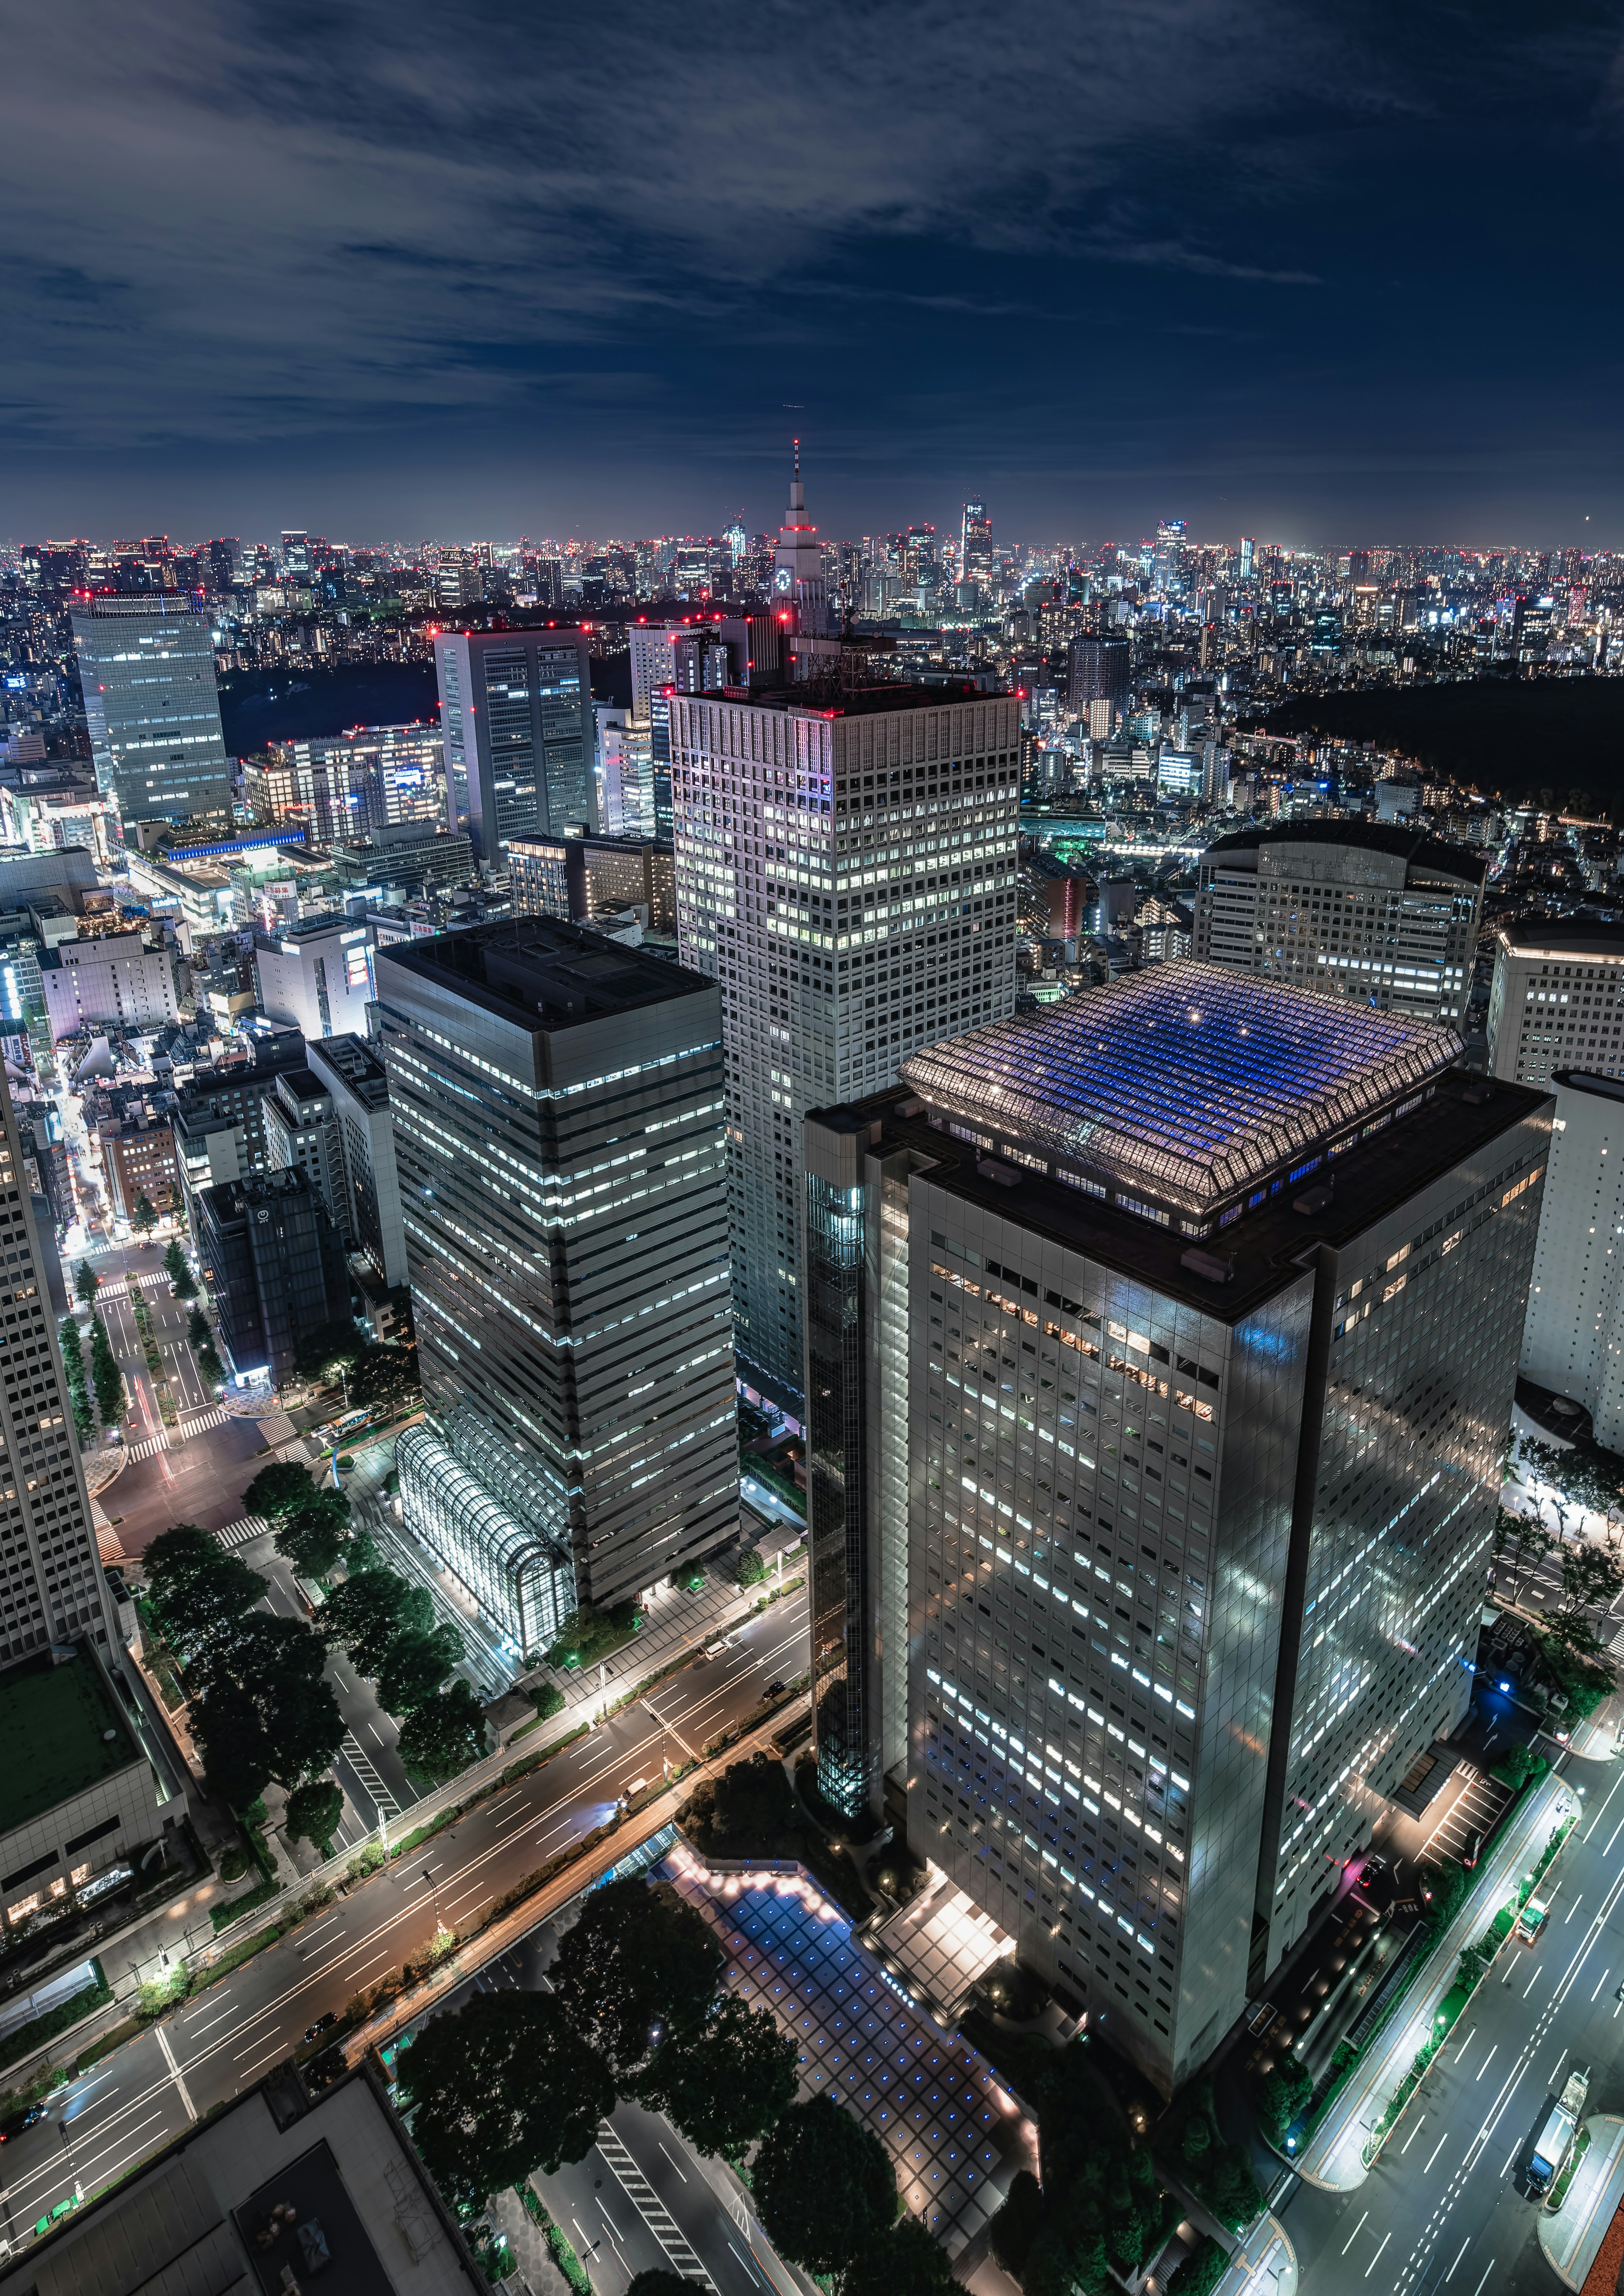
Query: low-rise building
138	1156
77	1796
117	978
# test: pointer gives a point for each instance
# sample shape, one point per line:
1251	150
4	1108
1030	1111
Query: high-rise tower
797	562
147	665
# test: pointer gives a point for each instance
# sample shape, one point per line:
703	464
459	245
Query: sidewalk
1265	2264
1570	2238
1334	2157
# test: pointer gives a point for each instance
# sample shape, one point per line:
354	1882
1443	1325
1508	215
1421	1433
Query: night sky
1321	274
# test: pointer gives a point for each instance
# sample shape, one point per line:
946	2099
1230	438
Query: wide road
1444	2206
232	2033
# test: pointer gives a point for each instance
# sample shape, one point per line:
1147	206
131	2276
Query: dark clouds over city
393	271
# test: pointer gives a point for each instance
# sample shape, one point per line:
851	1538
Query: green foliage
198	1334
749	1806
752	1570
384	1374
79	1385
198	1593
588	1635
282	1488
440	1736
22	2040
415	1665
658	2282
1519	1767
314	1811
1449	1894
823	2186
723	2082
637	1961
499	2089
314	1539
330	1348
179	1273
86	1282
1283	2096
265	1711
1216	2171
904	2261
105	1377
549	1700
143	1219
364	1614
1018	2223
1202	2270
209	1363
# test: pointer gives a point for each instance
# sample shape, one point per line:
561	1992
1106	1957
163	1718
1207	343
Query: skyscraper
146	666
516	711
975	547
1557	1000
558	1105
847	871
799	581
1180	1327
1381	915
1573	1340
1100	672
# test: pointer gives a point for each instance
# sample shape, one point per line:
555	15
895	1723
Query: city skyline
1223	255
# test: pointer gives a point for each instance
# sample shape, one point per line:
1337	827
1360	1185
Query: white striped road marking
651	2209
238	1534
168	2058
384	1801
136	1452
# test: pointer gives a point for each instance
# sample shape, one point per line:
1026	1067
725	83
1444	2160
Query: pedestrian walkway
167	1437
672	1621
1570	2237
1265	2264
238	1534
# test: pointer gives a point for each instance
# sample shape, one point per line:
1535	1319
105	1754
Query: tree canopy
659	2282
383	1374
904	2261
824	2186
283	1487
364	1614
199	1593
179	1273
500	2089
266	1712
86	1282
722	2082
314	1537
444	1733
636	1962
321	1352
314	1811
415	1665
143	1219
105	1376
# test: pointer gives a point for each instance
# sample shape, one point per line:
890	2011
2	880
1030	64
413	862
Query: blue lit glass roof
1187	1081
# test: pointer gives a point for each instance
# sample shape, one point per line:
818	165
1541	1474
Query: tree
79	1386
1283	2093
199	1593
384	1374
198	1334
364	1614
904	2261
658	2282
443	1735
725	2082
823	2186
1591	1580
752	1570
209	1363
105	1376
86	1282
321	1353
415	1665
1519	1540
266	1712
143	1219
313	1539
637	1961
314	1811
283	1487
751	1804
1018	2222
499	2089
175	1269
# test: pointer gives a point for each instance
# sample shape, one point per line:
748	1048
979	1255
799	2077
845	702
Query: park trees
905	2261
314	1811
724	2080
312	1537
823	2185
364	1614
105	1376
266	1712
283	1487
414	1665
500	2089
199	1593
637	1961
329	1349
442	1734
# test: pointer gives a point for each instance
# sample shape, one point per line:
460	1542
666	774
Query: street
1443	2205
232	2033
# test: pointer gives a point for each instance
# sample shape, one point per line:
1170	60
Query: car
1474	1850
19	2121
776	1686
323	2025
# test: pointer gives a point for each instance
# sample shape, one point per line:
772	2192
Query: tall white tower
797	562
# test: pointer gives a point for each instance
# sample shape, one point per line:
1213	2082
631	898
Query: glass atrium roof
1186	1081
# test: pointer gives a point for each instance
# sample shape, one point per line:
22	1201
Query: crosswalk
118	1287
238	1534
168	1437
200	1425
651	2209
136	1452
383	1801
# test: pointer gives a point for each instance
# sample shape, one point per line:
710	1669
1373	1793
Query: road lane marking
1572	1909
1465	2245
672	2159
1465	2044
1488	2061
1533	1981
278	2048
1483	2282
1354	2234
1433	2154
1377	2259
180	2089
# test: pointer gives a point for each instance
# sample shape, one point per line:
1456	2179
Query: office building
516	715
146	665
584	877
406	859
263	2193
1557	1000
79	1801
625	773
115	981
59	815
274	1262
846	872
353	784
354	1079
653	662
1100	673
558	1120
302	1135
69	872
975	548
1179	1325
1382	915
138	1157
799	584
218	1121
316	977
1573	1340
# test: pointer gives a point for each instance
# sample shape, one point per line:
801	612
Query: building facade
274	1263
1384	916
1101	674
1573	1340
581	877
1180	1328
353	784
146	665
558	1110
516	716
139	1159
316	977
116	980
1557	1000
847	873
355	1078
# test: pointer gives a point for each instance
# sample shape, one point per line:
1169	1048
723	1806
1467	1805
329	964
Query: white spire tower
797	562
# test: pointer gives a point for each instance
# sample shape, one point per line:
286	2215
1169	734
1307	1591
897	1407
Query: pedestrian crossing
200	1425
238	1534
168	1437
136	1452
651	2209
113	1287
383	1801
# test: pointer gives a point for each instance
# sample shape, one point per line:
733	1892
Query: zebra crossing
651	2209
115	1287
134	1453
383	1801
200	1425
238	1534
167	1437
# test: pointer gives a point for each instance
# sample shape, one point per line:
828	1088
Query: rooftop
1561	937
53	1725
542	970
1185	1080
811	700
1417	847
